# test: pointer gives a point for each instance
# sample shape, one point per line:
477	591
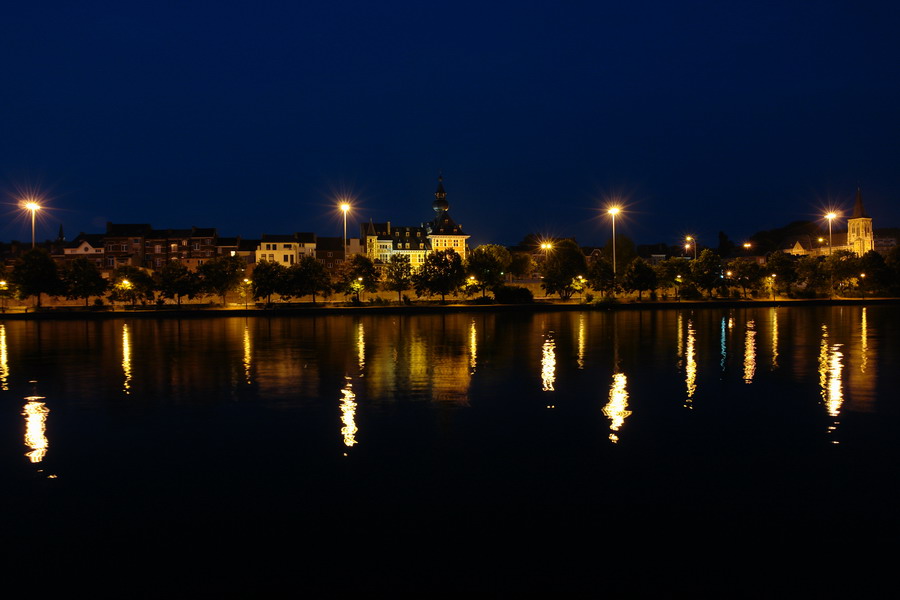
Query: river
633	453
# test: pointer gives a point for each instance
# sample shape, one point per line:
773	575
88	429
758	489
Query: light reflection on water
35	413
454	361
548	363
4	360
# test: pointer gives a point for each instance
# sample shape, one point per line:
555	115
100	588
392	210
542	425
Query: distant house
86	245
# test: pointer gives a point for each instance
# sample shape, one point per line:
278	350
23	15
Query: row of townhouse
141	245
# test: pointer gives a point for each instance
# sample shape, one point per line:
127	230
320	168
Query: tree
747	274
564	263
488	264
82	279
130	284
175	280
221	274
441	273
600	277
268	278
726	246
312	278
521	265
398	275
874	272
638	277
35	273
811	274
706	271
783	267
672	272
356	275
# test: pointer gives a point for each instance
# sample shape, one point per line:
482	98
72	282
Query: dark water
719	453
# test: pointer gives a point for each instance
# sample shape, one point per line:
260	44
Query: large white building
382	240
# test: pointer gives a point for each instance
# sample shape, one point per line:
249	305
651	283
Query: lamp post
33	207
691	242
612	212
830	216
772	276
345	207
246	292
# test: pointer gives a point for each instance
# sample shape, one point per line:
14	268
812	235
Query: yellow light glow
582	335
35	413
348	415
750	352
864	342
774	338
548	364
361	346
473	346
344	206
546	246
32	206
248	355
616	410
690	363
126	358
614	210
831	216
4	360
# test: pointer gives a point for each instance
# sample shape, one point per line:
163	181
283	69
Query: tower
860	236
443	232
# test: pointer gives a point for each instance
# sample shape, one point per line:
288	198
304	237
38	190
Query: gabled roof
95	240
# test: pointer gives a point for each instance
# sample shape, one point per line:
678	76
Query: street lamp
246	292
345	207
691	241
830	216
772	276
612	212
33	207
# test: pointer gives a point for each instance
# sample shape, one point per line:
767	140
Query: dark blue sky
253	117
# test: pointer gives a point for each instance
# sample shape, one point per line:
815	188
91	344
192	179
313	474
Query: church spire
440	197
858	211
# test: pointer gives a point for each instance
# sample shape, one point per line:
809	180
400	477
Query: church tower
443	232
860	237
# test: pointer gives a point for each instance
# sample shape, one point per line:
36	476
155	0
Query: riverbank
322	309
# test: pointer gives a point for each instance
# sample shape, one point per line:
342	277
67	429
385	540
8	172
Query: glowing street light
831	217
33	207
691	242
612	212
345	207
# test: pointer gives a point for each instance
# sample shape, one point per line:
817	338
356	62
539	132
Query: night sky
254	117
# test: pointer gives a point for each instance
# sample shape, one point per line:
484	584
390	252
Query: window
173	247
157	249
287	246
330	254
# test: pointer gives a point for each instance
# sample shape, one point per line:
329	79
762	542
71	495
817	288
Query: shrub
513	294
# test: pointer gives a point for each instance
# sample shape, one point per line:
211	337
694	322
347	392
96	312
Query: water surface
645	452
